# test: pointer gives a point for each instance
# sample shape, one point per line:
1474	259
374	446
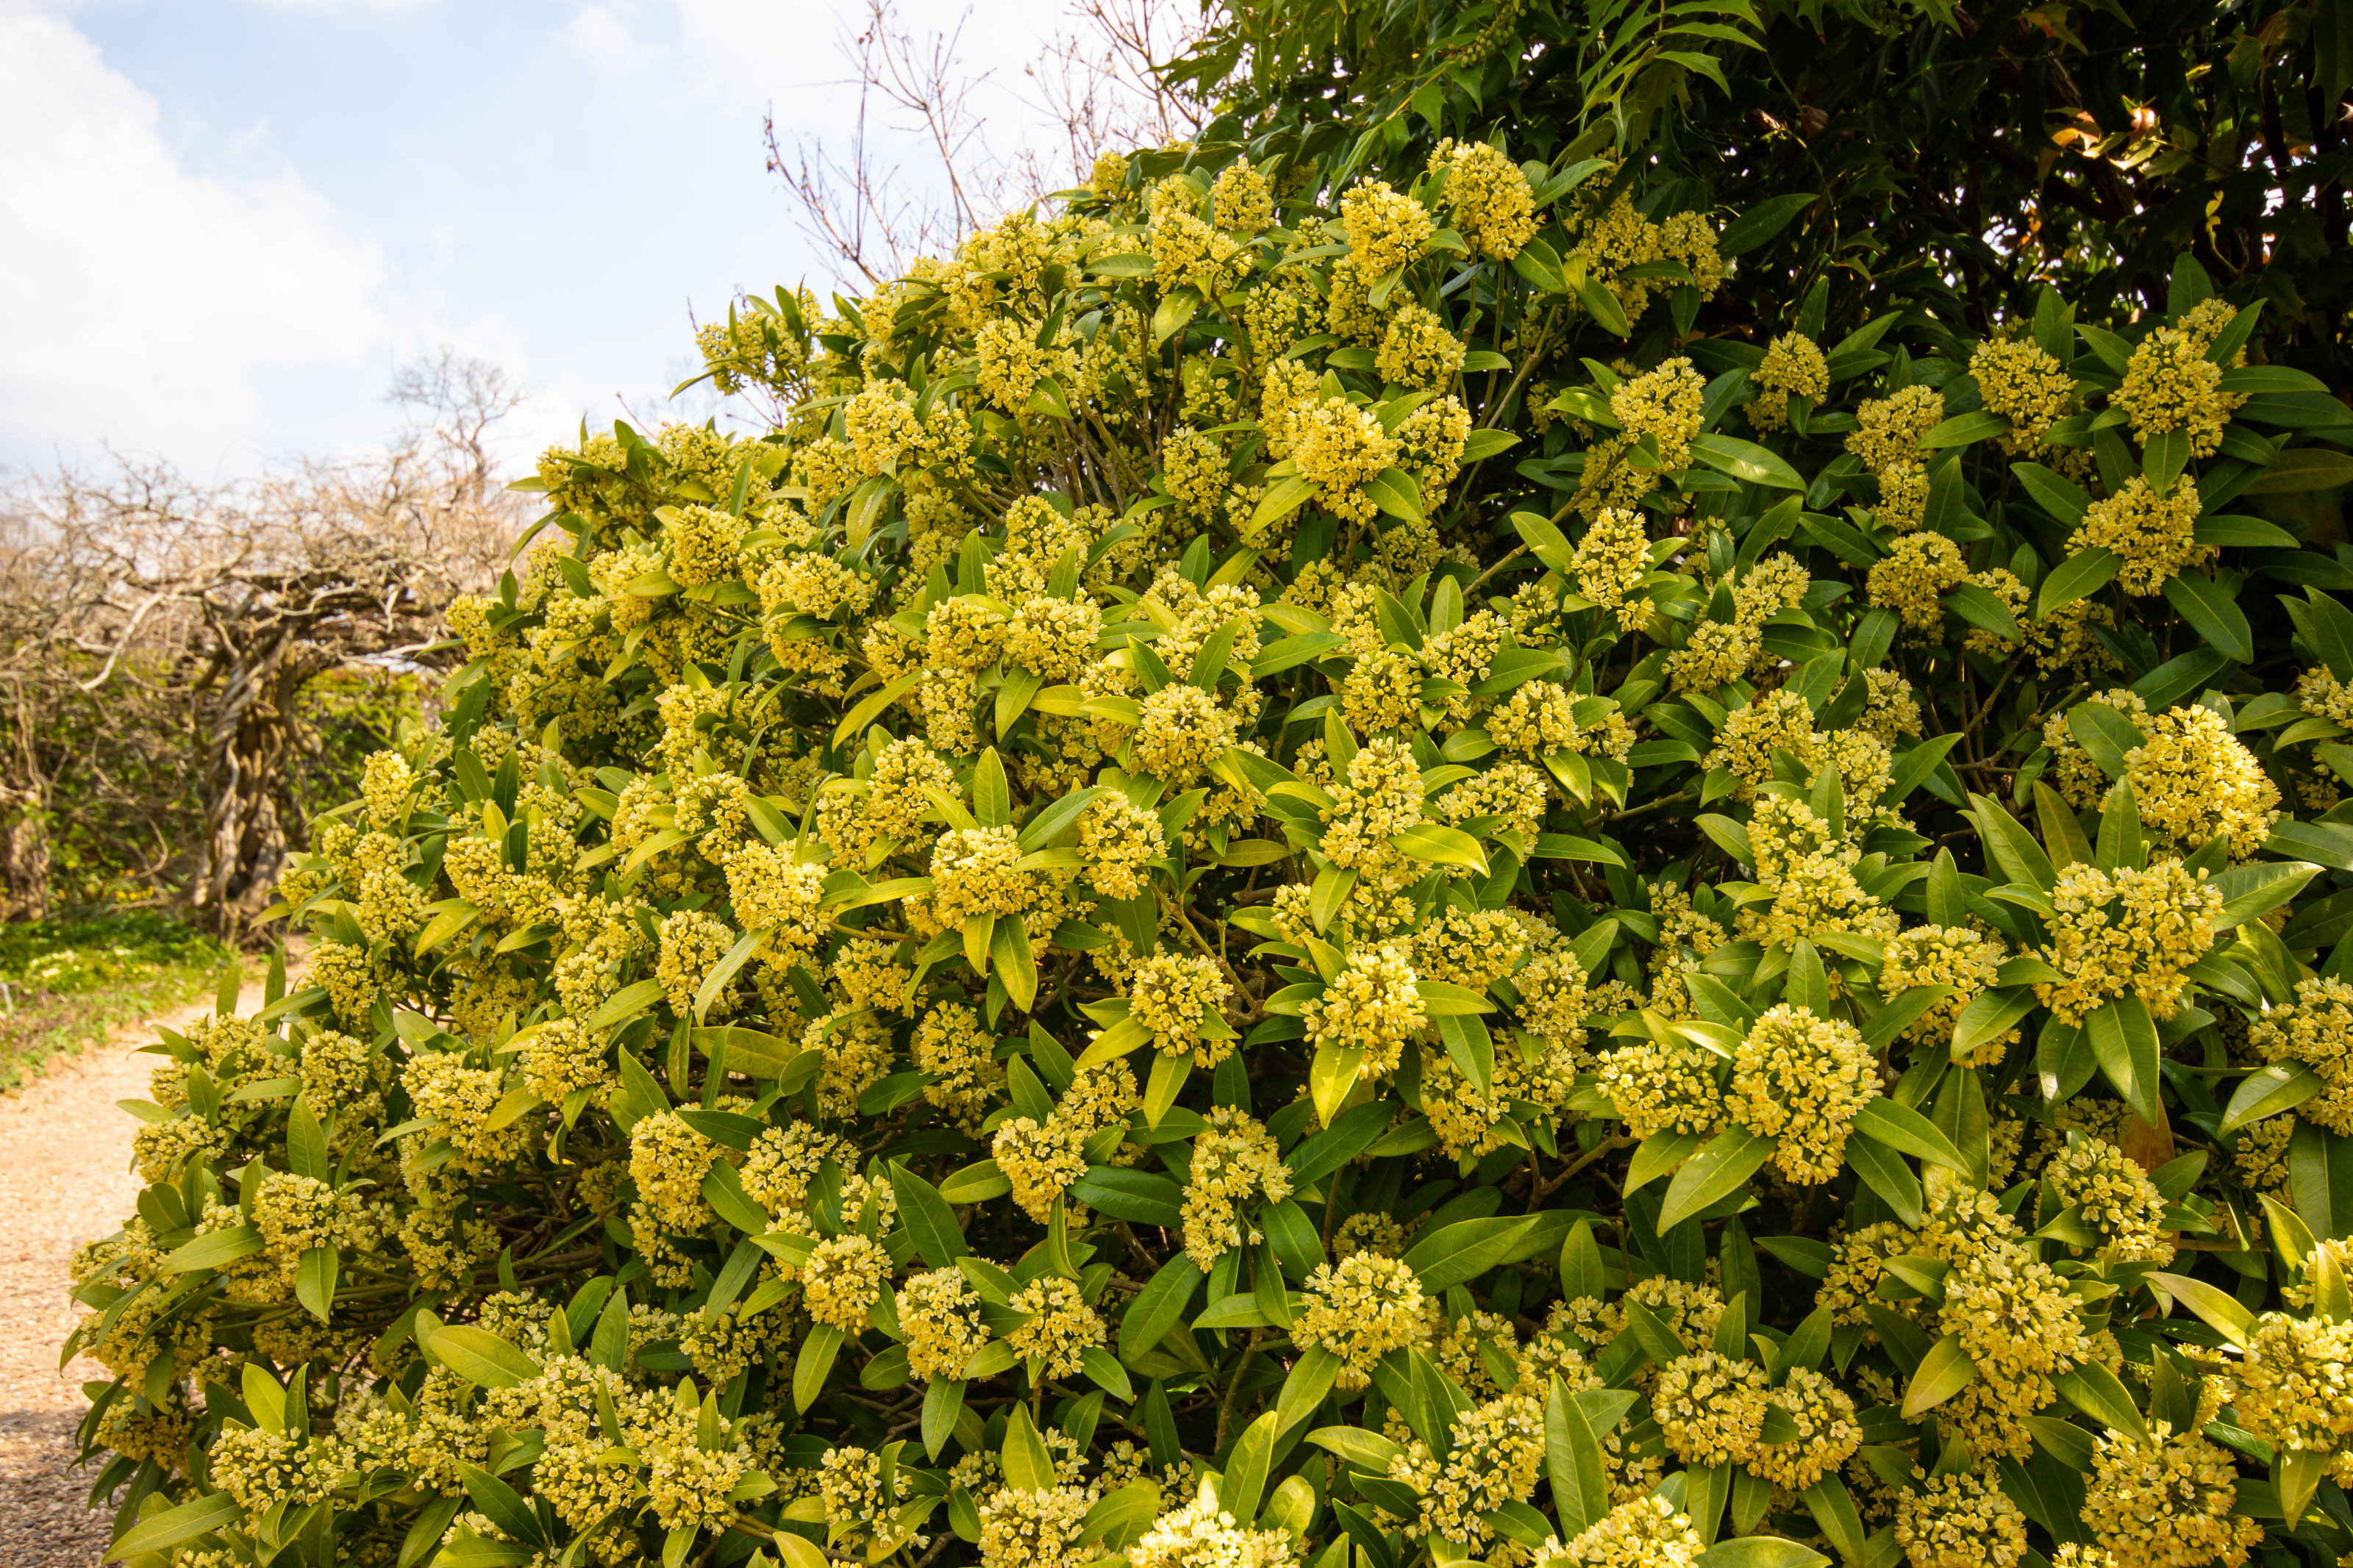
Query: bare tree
136	605
1100	83
1096	84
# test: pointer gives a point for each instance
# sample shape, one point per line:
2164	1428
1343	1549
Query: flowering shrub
1309	869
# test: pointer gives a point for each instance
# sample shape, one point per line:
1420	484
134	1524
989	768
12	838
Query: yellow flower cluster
1235	1163
1171	992
1888	435
2126	933
939	1313
1387	229
1800	1079
1711	1408
1360	1309
1922	567
2151	531
2193	780
1961	1520
1487	196
1611	560
842	1280
1498	1448
1371	1006
1418	351
1642	1532
1201	1535
2167	1502
1062	1326
2170	384
1793	367
2114	1196
2315	1030
2019	381
2290	1388
1963	957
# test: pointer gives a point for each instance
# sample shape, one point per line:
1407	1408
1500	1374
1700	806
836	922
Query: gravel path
65	1178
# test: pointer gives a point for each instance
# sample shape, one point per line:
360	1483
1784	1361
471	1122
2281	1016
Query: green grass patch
65	984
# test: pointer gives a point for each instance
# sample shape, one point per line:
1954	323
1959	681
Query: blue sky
223	225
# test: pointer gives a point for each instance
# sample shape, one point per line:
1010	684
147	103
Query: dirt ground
65	1178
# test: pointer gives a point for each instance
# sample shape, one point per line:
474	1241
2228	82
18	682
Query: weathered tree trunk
24	854
249	745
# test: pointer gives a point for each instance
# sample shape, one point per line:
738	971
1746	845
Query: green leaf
2092	1389
1759	1551
2078	576
2213	614
1029	1463
1716	1172
1440	846
2302	469
1247	1469
1140	1197
314	1280
1369	1451
1914	766
499	1502
2061	497
943	1408
2283	1086
1303	1389
1840	1521
2105	735
2329	843
870	708
2124	1042
1602	305
213	1249
976	1183
1748	462
1282	498
1459	1252
1103	1367
480	1356
814	1363
1573	1463
1944	1372
1760	223
1989	1016
1962	429
1157	1308
1900	1127
2252	892
723	972
1395	492
1978	607
2223	1312
1016	964
625	1004
1659	1154
927	1218
1885	1173
177	1526
2009	845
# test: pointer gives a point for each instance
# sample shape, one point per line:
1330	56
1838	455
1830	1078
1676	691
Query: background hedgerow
68	982
1315	866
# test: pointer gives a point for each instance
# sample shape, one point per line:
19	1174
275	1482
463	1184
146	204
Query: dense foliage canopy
1961	155
1313	869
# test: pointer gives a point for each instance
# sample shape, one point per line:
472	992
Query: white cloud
598	31
146	299
328	7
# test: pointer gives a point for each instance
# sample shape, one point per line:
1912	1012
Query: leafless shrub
157	635
1097	84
